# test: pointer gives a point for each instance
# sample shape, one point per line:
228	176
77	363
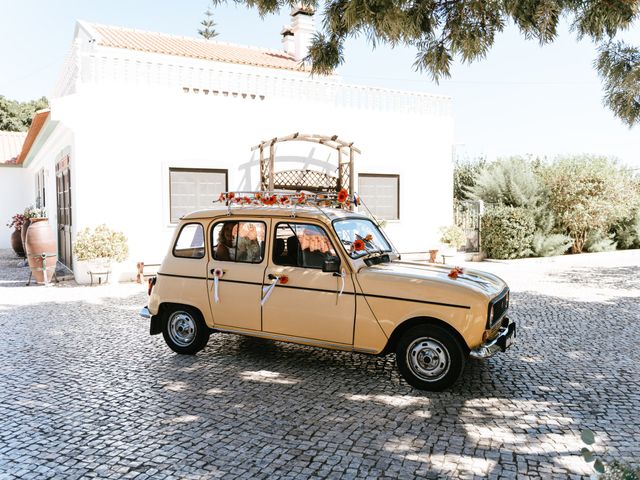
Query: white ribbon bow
217	275
266	291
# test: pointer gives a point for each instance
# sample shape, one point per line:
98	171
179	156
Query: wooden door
63	197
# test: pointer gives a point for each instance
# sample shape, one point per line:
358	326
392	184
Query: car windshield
360	236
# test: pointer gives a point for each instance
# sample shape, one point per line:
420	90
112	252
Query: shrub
626	231
101	243
507	232
508	181
465	174
548	245
598	241
453	236
587	193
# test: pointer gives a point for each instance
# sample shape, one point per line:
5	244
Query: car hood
412	277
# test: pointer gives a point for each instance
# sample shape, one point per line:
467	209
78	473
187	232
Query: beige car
325	277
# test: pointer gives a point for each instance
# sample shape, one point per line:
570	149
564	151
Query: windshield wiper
376	258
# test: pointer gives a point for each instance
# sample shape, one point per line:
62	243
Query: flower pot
16	243
41	250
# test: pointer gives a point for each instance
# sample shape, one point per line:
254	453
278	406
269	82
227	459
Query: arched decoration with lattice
307	179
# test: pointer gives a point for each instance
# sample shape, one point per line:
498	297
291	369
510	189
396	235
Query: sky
522	99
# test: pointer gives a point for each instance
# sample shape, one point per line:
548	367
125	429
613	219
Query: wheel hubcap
182	329
428	359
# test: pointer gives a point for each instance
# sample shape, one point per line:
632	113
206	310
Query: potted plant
452	238
16	222
100	247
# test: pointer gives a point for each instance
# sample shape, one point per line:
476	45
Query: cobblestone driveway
86	392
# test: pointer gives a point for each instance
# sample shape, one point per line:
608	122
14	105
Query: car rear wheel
429	357
184	330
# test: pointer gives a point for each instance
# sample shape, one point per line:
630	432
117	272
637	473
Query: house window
194	189
41	192
381	194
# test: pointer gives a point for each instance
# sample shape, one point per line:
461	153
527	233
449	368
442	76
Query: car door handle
271	276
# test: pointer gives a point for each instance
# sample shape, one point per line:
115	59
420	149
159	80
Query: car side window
235	241
190	242
302	245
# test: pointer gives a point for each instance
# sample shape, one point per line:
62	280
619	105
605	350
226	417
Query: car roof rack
291	199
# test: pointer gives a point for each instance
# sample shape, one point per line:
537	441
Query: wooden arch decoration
346	155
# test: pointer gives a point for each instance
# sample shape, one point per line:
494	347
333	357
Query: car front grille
500	306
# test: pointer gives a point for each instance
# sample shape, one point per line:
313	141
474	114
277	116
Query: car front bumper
505	339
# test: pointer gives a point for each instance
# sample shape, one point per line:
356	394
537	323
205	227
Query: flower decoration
368	238
257	196
283	279
218	273
343	195
302	199
284	199
17	221
455	272
358	245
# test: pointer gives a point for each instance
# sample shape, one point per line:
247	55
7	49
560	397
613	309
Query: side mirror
331	266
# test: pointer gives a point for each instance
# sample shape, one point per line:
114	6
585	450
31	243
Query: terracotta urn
41	250
23	232
16	243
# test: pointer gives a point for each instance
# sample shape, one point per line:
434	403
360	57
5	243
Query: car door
309	303
237	266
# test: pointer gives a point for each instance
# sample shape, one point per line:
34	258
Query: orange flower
270	200
368	238
301	198
358	245
230	195
258	196
343	195
284	199
283	279
455	272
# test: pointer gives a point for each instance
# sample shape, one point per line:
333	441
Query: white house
146	126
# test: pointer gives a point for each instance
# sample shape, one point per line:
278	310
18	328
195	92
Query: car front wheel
429	357
184	330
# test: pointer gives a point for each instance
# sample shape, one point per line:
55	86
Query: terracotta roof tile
142	41
10	145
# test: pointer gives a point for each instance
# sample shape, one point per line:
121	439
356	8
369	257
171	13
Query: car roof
316	213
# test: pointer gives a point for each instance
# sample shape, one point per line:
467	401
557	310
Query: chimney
288	43
296	38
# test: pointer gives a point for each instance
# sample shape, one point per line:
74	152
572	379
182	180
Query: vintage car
288	269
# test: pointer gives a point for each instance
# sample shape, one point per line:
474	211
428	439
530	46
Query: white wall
127	139
16	193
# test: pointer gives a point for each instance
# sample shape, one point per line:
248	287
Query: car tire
184	330
429	357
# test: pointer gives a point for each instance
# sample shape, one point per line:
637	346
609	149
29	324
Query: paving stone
87	393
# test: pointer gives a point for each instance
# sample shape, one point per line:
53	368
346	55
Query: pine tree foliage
17	116
208	30
444	30
619	66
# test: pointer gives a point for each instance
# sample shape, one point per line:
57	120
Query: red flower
343	195
269	200
283	279
301	198
358	245
230	195
258	196
455	272
284	199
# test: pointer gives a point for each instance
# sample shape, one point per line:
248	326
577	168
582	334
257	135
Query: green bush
626	232
101	243
548	245
508	181
620	471
598	241
507	232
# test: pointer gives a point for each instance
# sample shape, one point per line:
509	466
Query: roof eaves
38	122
